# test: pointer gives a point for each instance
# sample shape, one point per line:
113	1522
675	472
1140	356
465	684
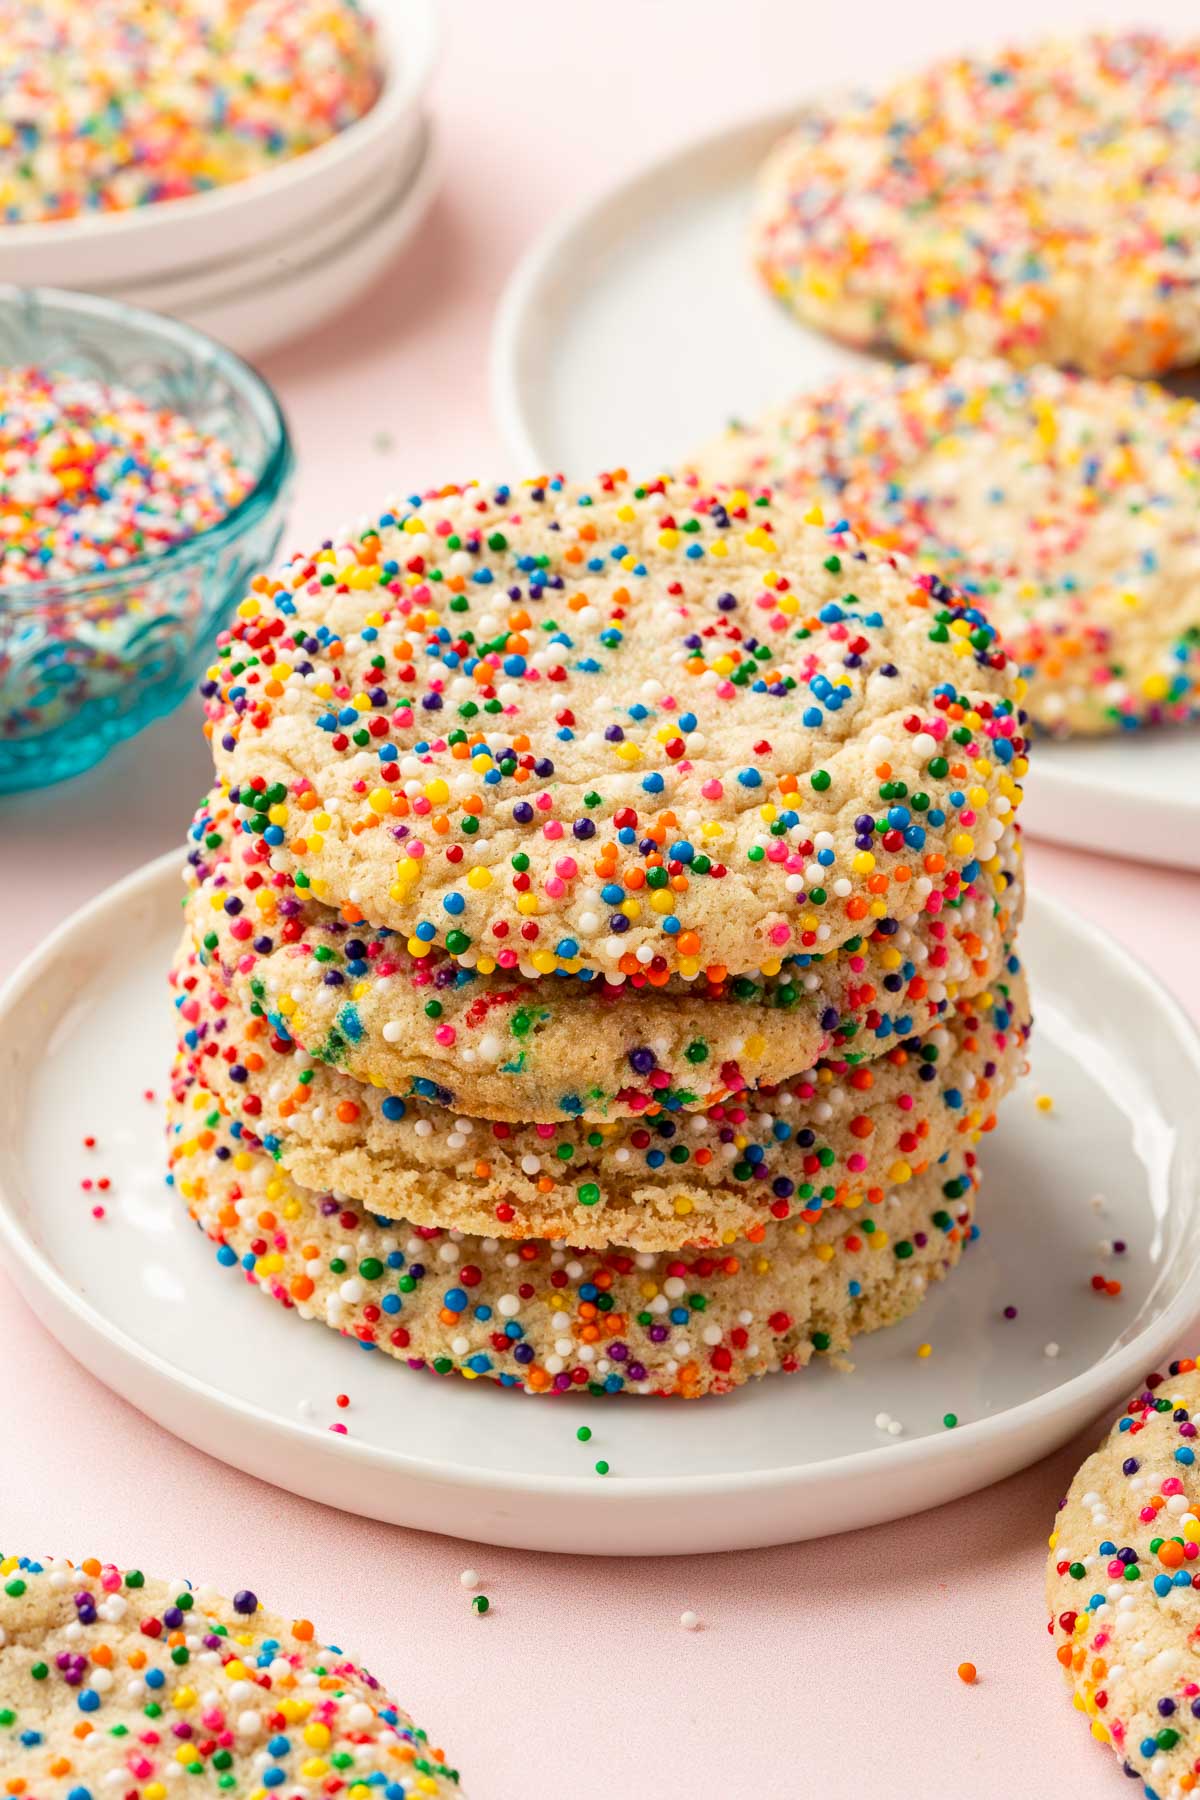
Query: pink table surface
824	1669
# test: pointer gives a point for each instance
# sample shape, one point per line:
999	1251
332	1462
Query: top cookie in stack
634	734
580	810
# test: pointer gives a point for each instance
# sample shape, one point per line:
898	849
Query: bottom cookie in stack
546	1317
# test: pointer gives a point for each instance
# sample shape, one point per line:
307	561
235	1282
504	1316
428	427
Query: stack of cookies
599	963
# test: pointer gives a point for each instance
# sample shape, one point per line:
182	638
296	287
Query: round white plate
636	330
86	1028
272	306
110	250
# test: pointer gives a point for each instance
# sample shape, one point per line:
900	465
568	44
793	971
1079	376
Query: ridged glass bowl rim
278	461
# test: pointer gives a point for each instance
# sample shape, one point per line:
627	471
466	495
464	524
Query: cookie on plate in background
1038	204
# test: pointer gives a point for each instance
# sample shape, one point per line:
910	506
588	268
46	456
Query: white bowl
253	317
114	251
260	265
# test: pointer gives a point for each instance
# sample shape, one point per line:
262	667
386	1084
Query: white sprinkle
1051	1350
470	1578
690	1621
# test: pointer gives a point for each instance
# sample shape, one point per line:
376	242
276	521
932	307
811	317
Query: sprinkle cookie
836	1136
630	727
1069	508
113	1682
1123	1586
116	104
512	1045
1037	205
550	1319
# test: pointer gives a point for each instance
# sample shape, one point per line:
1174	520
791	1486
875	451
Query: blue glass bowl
87	662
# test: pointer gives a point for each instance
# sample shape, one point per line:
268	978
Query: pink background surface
825	1669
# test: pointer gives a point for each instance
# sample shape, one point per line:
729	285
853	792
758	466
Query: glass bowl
87	662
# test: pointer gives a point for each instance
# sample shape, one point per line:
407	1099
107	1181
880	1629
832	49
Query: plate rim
37	1271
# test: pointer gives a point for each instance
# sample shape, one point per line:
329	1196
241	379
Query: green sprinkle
584	1433
602	1467
480	1604
949	1420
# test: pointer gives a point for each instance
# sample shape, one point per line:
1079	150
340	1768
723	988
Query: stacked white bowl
259	261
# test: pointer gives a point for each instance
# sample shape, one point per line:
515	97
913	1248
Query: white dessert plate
86	1029
279	303
635	330
113	250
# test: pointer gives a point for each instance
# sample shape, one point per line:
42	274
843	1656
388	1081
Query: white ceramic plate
85	1029
636	329
275	304
114	249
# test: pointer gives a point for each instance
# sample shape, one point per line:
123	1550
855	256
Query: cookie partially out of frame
1123	1585
1038	204
837	1135
548	1318
621	726
113	1682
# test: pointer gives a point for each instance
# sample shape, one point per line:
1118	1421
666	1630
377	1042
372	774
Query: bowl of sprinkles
139	143
144	472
